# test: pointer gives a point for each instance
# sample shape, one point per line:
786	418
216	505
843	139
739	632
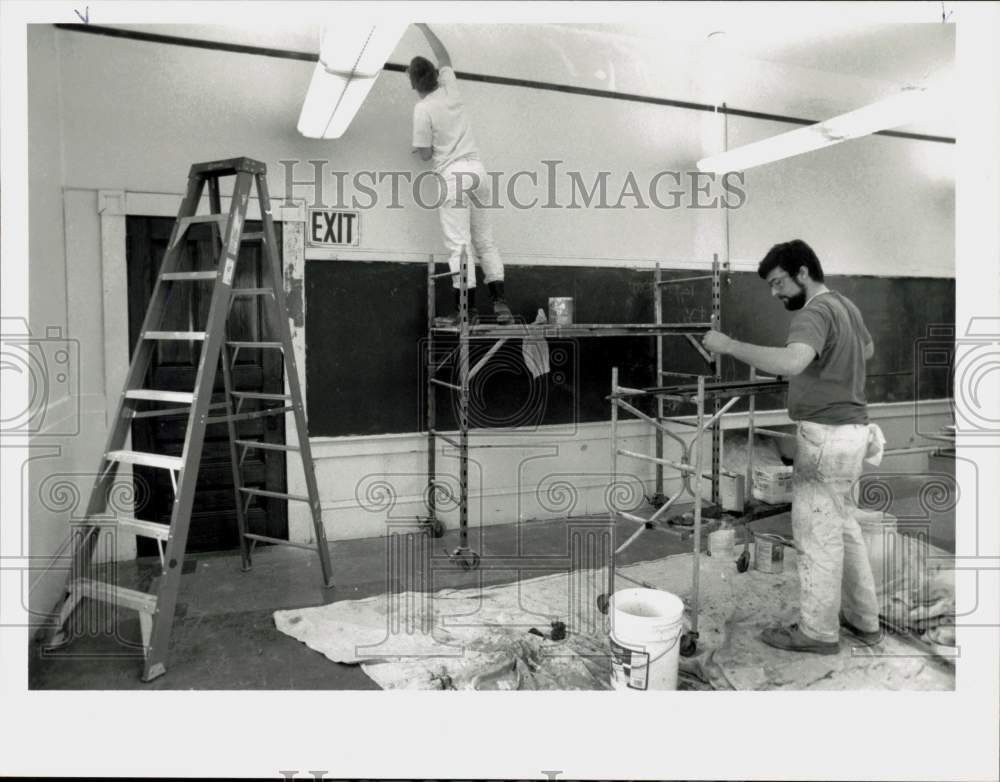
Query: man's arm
787	361
440	53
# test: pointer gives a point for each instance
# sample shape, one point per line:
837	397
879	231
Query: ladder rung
267	446
252	236
147	459
278	541
214	217
277	494
263	413
112	593
154	395
187	336
148	529
252	291
258	395
254	344
189	275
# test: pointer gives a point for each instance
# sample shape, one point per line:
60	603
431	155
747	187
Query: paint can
560	310
645	633
768	553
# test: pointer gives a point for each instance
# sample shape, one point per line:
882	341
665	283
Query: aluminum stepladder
156	611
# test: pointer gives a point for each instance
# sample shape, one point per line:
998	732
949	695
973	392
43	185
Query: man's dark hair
423	74
791	256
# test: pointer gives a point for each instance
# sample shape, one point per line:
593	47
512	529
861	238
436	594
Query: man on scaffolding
441	131
824	360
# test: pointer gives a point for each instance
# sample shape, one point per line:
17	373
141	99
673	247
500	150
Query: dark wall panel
366	326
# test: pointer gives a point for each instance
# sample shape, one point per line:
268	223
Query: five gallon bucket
646	627
878	529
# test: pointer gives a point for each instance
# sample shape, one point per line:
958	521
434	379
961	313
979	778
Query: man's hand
716	342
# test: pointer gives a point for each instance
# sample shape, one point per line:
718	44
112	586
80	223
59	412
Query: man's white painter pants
834	571
465	220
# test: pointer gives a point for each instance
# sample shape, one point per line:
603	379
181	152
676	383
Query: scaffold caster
435	527
602	603
465	558
689	644
657	500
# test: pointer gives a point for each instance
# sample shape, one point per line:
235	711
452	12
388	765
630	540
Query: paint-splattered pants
466	221
834	570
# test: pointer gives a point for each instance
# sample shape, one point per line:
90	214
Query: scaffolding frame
465	333
699	394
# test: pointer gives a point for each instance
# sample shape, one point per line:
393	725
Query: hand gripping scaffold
458	358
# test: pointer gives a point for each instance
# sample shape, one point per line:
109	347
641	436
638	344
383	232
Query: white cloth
465	220
834	570
876	445
535	349
439	122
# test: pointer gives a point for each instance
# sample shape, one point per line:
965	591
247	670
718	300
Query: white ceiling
800	66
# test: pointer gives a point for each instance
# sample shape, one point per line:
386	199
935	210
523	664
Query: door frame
113	207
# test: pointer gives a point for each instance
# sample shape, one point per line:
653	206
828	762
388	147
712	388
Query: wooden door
174	367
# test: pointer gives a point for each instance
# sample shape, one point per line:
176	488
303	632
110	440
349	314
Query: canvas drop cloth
478	638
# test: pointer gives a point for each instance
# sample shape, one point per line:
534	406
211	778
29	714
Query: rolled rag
876	445
535	349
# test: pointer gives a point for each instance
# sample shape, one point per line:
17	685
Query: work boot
500	309
866	637
792	639
452	321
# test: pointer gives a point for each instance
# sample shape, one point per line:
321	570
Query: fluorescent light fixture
900	109
351	59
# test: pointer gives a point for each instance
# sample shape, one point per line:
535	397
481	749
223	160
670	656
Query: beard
796	302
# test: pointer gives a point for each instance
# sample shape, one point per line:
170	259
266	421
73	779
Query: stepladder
174	283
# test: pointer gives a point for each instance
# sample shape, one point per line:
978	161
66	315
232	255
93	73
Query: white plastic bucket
646	627
878	530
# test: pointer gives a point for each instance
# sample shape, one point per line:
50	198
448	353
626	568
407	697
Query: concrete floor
224	635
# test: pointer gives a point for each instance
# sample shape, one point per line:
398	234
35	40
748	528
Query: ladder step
252	236
154	395
189	275
267	446
112	593
252	291
277	494
186	336
254	344
258	395
147	459
148	529
213	217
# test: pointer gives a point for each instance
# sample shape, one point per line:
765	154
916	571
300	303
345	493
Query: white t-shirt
439	122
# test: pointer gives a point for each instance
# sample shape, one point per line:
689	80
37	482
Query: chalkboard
366	326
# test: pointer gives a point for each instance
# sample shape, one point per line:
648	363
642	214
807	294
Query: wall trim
546	436
397	255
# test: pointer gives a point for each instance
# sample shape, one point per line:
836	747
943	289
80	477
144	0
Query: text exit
329	228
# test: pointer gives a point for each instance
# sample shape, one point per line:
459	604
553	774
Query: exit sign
334	228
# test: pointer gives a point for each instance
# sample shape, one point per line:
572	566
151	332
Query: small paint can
768	553
560	310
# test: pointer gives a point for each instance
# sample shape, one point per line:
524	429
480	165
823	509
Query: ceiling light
351	59
900	109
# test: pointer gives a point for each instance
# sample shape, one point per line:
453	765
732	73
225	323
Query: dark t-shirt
831	390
